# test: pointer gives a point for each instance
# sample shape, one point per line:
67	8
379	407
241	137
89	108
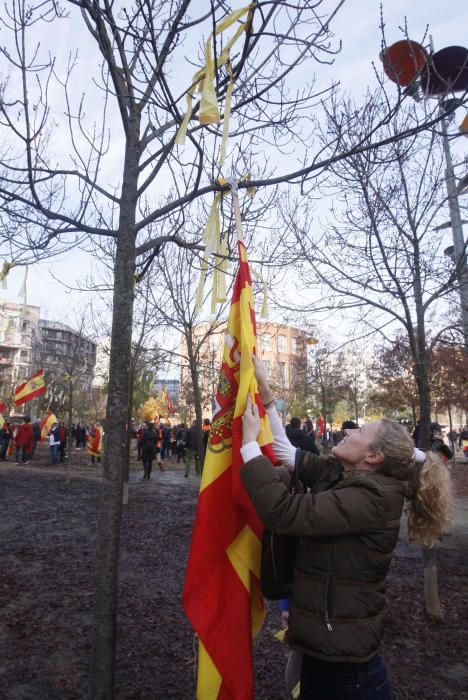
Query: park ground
47	546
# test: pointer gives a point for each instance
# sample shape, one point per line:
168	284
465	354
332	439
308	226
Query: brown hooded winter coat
347	525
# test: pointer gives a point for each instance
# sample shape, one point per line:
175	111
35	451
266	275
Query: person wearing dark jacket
347	522
149	448
437	442
299	437
5	437
191	448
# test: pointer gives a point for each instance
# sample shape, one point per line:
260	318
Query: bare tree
381	258
108	176
173	284
395	389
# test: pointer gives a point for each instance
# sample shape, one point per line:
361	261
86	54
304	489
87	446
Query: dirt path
47	538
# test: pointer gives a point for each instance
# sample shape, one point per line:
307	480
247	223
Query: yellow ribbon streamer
23	292
6	267
217	247
203	80
211	239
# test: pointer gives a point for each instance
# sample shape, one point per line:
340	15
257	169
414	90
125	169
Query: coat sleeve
339	511
318	472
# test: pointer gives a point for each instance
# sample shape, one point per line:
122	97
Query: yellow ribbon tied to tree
6	267
204	79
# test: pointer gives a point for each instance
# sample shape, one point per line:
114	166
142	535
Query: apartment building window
294	345
266	341
282	343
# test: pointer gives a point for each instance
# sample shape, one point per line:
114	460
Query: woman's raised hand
260	371
250	422
262	379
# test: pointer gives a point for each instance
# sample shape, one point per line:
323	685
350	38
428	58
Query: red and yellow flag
47	423
33	387
222	597
95	443
166	400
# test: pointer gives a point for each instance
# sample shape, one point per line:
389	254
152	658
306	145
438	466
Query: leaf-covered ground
47	545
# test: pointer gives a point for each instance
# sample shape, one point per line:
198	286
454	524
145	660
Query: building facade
19	339
65	351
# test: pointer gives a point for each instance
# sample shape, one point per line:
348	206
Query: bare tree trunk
102	674
196	400
129	439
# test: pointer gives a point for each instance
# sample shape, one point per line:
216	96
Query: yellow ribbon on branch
6	267
217	246
204	80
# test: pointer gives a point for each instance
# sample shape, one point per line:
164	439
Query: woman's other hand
262	378
250	422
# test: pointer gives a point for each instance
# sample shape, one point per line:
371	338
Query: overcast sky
358	27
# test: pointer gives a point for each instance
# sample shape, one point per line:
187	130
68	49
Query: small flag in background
166	400
33	387
47	423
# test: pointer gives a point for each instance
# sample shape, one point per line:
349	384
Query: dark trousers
24	450
164	449
62	451
4	450
327	680
147	457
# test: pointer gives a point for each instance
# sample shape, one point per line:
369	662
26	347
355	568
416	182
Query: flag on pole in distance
166	400
33	387
47	423
221	596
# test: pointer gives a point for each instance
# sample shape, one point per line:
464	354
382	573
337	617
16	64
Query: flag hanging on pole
95	442
320	426
221	596
33	387
166	400
47	423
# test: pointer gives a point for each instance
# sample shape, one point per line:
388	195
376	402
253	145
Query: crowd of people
157	441
20	441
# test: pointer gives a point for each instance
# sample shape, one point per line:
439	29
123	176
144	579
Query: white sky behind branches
357	25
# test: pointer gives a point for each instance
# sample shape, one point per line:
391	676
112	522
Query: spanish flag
166	400
47	423
33	387
95	443
221	596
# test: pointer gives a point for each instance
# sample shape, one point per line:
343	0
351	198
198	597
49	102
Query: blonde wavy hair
428	488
